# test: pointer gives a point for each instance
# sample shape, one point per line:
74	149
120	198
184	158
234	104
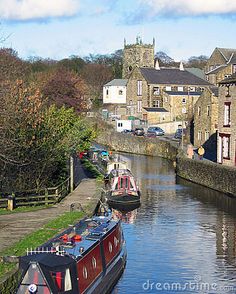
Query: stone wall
203	172
138	145
206	173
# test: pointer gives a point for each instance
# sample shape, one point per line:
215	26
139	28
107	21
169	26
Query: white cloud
37	9
189	7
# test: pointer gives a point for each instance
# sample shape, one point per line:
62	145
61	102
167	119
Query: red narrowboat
122	187
87	259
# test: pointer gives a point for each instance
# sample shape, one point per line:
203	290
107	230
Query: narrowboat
86	259
122	187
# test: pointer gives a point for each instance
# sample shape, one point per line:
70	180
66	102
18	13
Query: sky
58	29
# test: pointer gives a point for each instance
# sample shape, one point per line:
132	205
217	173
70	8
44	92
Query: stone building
205	121
172	90
226	139
220	65
137	55
114	96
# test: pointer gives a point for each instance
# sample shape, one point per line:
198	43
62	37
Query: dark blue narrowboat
89	258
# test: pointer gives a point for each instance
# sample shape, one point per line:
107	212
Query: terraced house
163	94
220	65
206	121
226	140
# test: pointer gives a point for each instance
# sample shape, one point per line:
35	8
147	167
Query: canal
183	237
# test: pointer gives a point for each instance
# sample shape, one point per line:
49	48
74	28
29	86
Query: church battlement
137	55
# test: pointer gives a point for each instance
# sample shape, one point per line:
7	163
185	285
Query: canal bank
17	225
206	173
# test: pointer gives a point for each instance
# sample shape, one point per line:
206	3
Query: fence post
46	196
11	202
71	173
56	192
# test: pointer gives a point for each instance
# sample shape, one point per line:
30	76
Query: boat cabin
122	180
76	262
116	164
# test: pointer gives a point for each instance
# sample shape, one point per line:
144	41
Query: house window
227	91
234	68
191	89
226	147
107	92
207	135
120	125
155	103
156	91
139	90
180	89
120	92
208	110
227	114
166	99
139	105
184	101
199	110
168	88
199	135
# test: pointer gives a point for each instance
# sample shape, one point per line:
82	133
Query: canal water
182	239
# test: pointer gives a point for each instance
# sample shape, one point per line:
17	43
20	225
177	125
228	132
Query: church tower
137	55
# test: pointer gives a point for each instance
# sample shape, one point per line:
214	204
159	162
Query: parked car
131	132
178	133
139	132
156	130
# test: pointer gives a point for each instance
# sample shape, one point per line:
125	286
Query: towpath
14	226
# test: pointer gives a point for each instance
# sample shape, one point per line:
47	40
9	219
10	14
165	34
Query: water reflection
182	233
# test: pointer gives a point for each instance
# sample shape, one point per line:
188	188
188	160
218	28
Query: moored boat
86	259
122	187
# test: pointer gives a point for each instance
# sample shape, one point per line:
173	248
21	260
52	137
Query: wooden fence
37	197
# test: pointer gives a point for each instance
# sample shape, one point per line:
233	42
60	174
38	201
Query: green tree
36	140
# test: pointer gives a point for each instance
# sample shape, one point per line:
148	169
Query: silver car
156	130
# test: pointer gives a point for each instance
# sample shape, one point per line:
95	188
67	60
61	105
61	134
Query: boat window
126	183
121	182
116	241
85	272
110	247
94	262
62	280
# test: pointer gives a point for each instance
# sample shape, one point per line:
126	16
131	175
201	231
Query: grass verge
39	237
91	169
23	209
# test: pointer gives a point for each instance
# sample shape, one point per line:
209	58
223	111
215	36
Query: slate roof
226	52
196	71
155	109
171	76
231	79
232	59
183	93
117	82
215	90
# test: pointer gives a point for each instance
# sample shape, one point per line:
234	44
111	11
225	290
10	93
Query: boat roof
121	172
90	230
